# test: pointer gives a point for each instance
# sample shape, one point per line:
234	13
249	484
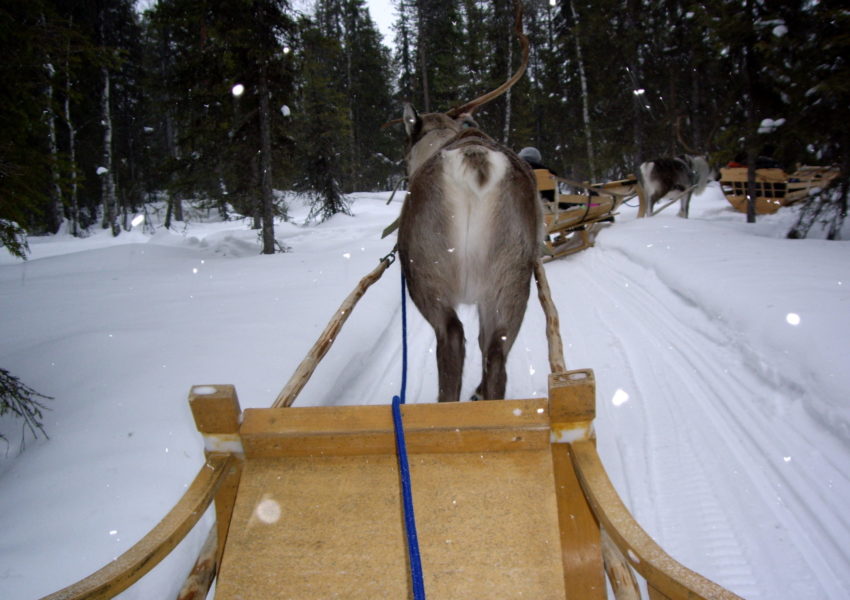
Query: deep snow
720	351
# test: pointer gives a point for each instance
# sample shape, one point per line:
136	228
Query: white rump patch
471	205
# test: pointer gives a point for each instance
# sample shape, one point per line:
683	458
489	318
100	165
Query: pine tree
323	128
370	105
225	144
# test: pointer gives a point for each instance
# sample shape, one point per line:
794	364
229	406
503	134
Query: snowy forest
189	189
112	107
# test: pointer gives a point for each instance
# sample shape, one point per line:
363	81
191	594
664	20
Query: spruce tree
324	126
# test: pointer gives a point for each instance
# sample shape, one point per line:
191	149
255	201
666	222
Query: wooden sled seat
511	501
774	188
319	509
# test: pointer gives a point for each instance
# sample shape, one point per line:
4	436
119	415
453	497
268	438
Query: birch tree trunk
54	216
107	179
72	148
507	130
585	100
423	61
266	164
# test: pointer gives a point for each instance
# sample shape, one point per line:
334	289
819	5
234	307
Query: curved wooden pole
199	581
620	575
553	323
662	572
305	370
128	568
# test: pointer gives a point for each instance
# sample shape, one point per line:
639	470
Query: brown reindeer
675	179
469	233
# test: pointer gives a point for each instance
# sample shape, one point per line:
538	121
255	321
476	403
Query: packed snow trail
704	439
713	459
720	351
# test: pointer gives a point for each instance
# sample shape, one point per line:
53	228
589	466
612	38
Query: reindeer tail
702	173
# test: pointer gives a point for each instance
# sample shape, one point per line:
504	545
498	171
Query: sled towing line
512	499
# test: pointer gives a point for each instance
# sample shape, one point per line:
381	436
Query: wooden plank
654	594
215	408
567	244
572	396
128	568
771	188
661	571
314	528
225	499
352	430
584	576
572	217
545	179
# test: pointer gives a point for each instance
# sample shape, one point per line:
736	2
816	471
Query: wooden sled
774	187
573	220
511	499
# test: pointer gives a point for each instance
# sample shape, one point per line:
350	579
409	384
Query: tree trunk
585	100
638	98
266	165
175	203
507	129
750	75
72	147
423	62
54	212
107	178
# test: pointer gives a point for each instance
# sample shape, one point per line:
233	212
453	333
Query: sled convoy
573	220
511	497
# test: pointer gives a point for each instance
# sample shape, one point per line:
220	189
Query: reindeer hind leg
499	328
685	206
450	354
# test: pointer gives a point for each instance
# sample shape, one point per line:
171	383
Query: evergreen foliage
609	85
23	402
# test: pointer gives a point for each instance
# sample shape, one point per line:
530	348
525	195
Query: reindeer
469	233
674	178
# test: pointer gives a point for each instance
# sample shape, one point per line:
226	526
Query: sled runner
774	187
573	220
511	498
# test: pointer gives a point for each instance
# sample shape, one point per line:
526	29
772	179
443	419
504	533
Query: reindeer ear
411	119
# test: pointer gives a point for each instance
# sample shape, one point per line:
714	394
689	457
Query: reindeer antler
681	141
470	107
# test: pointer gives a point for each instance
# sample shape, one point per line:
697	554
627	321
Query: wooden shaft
553	324
643	209
305	370
128	568
199	581
620	575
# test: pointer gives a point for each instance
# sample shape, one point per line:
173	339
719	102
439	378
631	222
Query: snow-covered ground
720	351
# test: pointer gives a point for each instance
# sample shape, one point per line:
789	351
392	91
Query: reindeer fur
684	174
469	233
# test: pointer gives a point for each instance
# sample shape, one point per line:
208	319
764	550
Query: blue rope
404	468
